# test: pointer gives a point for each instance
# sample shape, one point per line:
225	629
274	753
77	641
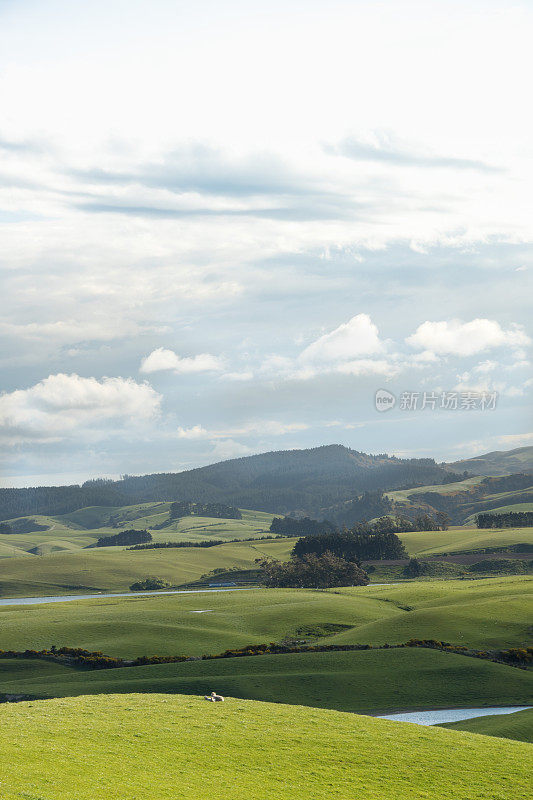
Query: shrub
150	583
311	571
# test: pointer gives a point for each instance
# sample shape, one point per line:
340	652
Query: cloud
384	149
73	331
161	360
60	404
196	432
465	338
255	428
228	448
357	337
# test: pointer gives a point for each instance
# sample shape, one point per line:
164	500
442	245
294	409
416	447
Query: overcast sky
225	225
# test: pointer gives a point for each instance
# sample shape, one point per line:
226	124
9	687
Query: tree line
130	536
189	508
287	526
304	481
511	519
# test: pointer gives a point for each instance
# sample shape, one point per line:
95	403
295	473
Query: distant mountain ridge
499	462
303	481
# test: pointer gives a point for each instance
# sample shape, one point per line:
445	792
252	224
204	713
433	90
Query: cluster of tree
352	545
5	528
128	537
187	508
502	566
312	571
305	481
149	584
512	519
205	543
368	506
289	526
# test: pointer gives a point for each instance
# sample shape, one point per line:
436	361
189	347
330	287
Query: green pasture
489	613
70	570
459	539
82	528
159	746
518	725
401	495
366	681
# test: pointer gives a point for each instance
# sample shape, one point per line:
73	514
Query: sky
224	226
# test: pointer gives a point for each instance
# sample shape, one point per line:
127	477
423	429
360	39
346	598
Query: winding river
31	601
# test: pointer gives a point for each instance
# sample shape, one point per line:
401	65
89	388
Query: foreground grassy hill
365	681
134	746
517	726
492	613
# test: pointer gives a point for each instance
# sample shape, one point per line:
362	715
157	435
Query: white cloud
256	428
196	432
69	331
486	366
516	439
161	360
367	366
466	338
228	448
357	337
58	405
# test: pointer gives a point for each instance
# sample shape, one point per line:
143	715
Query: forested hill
303	481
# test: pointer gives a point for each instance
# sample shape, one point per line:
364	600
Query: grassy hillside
115	568
491	613
499	462
67	570
460	539
82	528
401	495
361	681
163	747
517	726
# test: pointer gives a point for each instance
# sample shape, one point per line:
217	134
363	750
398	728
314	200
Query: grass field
517	726
135	746
459	539
401	495
82	528
365	681
489	613
115	569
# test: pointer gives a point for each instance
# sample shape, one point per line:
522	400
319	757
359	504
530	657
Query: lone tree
312	572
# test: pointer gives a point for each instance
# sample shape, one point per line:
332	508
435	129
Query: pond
449	714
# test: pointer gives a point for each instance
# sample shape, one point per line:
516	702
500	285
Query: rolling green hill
490	613
160	746
518	725
367	681
499	462
45	564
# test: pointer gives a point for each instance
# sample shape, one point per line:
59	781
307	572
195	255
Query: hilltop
499	462
303	481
